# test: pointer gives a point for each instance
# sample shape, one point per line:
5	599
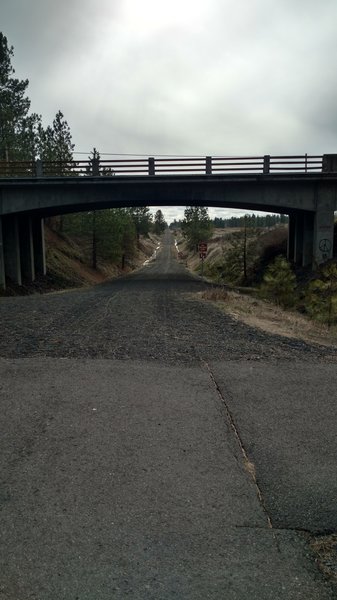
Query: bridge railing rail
151	166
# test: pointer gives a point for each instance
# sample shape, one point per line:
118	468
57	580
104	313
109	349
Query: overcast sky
195	77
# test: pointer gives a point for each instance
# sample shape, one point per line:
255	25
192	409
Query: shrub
279	283
321	296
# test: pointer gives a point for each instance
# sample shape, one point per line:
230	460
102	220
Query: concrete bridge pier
300	238
22	249
26	249
39	246
310	236
11	248
323	235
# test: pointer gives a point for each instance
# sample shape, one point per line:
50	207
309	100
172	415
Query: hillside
68	265
244	303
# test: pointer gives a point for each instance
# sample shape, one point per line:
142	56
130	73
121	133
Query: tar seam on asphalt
249	466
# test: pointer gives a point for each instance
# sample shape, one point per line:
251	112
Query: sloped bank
68	265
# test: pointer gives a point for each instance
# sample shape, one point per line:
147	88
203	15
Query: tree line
251	221
114	234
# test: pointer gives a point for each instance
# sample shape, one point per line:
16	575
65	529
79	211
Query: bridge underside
310	201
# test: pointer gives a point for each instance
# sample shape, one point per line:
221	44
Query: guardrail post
266	164
208	165
38	168
152	169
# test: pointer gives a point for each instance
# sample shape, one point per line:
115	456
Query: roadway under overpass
309	199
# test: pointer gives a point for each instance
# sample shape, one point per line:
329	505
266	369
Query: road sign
203	247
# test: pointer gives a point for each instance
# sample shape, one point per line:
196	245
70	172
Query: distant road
133	416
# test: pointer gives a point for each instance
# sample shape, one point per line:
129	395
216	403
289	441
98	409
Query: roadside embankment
245	303
69	264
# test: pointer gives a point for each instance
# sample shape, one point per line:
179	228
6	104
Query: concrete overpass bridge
304	187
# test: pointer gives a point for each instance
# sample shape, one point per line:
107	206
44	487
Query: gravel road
154	448
148	315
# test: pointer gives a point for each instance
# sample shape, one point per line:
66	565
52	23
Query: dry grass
270	318
216	295
325	549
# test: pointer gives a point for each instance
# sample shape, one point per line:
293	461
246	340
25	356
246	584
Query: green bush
279	283
321	296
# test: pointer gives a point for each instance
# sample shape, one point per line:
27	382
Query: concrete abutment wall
311	234
22	249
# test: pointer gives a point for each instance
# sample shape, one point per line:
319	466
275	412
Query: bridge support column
291	237
301	238
2	261
323	234
26	248
39	246
298	241
11	246
308	239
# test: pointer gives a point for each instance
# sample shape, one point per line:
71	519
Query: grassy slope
68	265
250	309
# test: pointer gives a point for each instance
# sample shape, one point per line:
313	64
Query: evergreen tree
159	225
196	226
111	234
279	283
14	105
237	263
142	219
321	297
22	136
55	144
63	146
93	167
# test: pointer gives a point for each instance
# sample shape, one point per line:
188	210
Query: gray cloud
186	77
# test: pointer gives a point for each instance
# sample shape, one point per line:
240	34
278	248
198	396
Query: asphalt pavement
152	448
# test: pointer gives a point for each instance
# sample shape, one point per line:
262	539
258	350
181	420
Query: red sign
202	247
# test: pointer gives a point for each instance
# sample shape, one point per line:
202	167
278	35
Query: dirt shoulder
270	318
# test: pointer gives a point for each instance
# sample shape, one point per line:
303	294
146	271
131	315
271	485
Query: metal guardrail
208	165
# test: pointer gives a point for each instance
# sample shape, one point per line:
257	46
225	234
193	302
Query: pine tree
93	167
196	226
279	283
159	223
22	136
55	144
63	145
142	219
14	106
321	297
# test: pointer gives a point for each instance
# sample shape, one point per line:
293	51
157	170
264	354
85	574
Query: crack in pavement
248	465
